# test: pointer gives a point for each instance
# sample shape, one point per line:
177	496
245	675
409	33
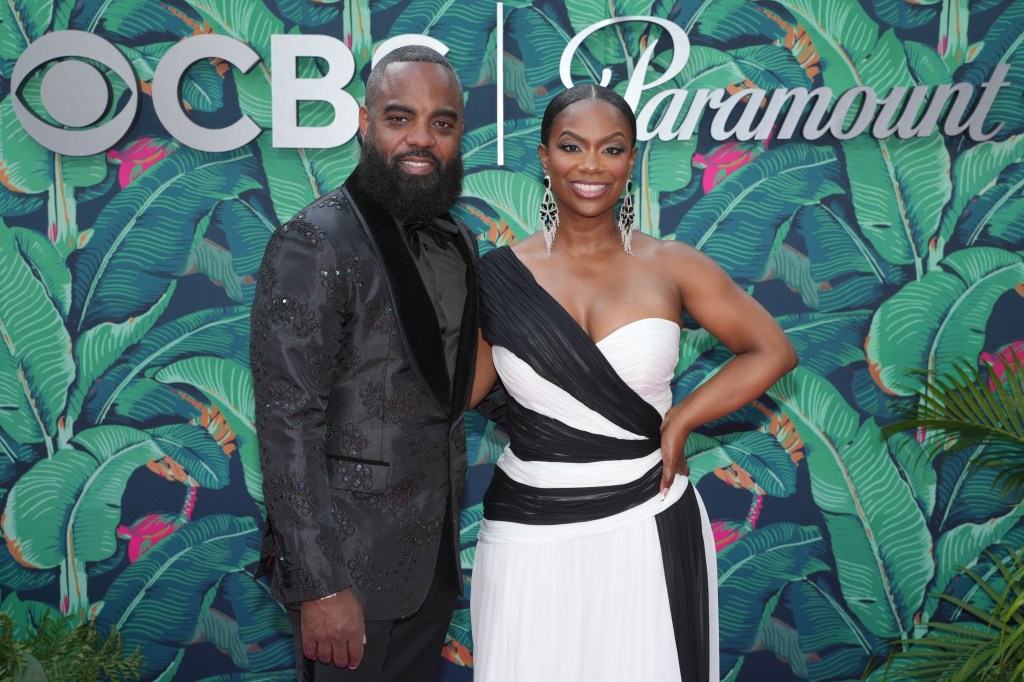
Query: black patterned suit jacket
361	432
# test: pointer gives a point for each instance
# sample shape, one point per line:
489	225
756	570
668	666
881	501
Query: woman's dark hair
578	93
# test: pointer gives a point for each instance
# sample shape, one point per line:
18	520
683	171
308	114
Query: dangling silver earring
626	217
548	214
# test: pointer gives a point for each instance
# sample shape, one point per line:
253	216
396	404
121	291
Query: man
363	343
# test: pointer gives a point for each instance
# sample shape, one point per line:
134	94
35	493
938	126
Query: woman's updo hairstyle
578	93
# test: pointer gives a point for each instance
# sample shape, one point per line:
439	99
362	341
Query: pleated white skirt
592	608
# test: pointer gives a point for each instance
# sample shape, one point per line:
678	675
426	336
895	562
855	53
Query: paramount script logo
898	113
76	95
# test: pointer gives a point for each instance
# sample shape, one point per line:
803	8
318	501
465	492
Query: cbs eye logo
74	93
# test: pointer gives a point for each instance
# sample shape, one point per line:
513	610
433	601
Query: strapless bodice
643	353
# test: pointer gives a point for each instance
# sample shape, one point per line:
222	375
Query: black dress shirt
444	275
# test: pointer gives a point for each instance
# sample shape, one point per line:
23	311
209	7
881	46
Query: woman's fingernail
664	493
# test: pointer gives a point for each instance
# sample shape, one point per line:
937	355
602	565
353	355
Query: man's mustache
417	154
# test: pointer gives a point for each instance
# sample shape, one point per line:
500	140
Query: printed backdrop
128	468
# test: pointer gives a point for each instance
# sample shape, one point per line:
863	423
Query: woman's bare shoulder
675	257
531	248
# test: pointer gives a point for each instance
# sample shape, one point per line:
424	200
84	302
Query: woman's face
589	157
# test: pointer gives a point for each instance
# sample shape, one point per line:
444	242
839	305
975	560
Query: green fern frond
989	648
968	409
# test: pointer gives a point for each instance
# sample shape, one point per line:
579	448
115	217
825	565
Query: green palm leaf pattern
541	34
69	505
847	269
512	196
298	177
975	172
121	286
21	23
158	600
305	12
195	449
752	570
228	385
916	469
618	43
753	202
1002	45
222	328
932	323
827	341
27	167
771	66
832	644
757	453
202	88
132	19
899	186
470	28
869	509
247	223
724	21
480	146
469	524
35	347
176	192
256	631
994	217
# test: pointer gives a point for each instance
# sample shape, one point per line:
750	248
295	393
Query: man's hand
333	630
674	433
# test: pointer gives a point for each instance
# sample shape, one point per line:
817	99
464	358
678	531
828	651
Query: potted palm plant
63	649
976	414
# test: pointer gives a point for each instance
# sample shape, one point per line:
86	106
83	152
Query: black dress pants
404	650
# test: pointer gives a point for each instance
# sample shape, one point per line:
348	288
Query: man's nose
420	135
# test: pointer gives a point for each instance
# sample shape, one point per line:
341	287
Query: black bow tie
414	228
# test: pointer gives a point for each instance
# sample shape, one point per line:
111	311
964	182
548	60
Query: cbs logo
77	95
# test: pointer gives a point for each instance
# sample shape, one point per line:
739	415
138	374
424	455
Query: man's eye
444	124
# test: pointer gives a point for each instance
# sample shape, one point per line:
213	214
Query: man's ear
364	120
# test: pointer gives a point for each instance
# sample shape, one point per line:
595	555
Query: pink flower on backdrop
1001	362
725	159
137	157
727	532
147	532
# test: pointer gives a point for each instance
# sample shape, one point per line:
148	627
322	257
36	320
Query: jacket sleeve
296	331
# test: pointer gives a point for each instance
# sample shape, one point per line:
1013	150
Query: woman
595	560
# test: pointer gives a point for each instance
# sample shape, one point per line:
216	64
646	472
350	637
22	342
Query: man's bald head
408	53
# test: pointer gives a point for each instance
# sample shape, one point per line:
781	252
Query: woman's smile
589	190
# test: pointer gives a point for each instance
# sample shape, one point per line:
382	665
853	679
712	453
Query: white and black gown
583	572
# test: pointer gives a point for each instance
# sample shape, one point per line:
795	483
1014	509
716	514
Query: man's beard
406	196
